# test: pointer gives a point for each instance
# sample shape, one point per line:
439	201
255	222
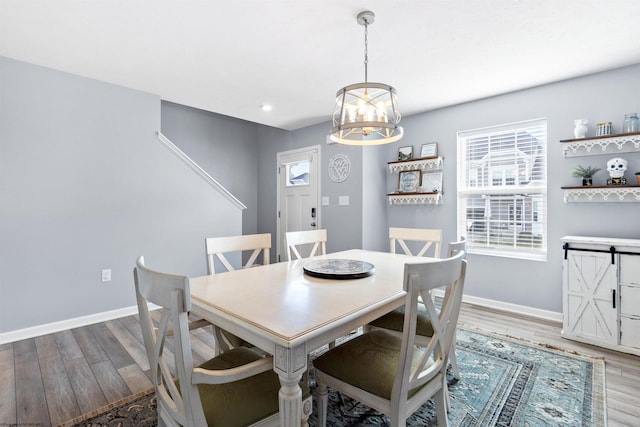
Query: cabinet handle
613	292
612	249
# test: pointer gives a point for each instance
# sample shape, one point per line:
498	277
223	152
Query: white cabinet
630	300
601	292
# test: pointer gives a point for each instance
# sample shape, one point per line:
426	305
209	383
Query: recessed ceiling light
266	107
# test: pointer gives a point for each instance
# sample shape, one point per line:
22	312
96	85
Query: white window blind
502	189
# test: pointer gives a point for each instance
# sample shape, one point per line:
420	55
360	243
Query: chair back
180	404
217	247
295	240
430	237
455	247
418	366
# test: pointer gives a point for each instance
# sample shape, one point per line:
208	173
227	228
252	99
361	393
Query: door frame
279	163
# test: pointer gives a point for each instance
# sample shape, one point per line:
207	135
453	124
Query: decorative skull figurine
616	167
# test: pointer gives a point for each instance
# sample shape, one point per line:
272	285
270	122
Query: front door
298	193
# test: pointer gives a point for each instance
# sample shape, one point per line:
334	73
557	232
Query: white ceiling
232	56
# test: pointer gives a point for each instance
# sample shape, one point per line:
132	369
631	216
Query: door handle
313	224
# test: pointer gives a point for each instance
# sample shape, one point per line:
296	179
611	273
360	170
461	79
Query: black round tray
339	269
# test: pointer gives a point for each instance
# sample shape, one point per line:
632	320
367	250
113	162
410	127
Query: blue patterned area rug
504	382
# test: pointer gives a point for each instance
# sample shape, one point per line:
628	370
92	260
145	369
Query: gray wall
599	97
375	235
343	223
270	141
223	146
86	185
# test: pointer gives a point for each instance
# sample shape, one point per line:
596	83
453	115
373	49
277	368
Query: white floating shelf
623	143
626	193
415	199
426	163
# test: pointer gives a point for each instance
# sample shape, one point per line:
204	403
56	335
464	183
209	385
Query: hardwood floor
51	379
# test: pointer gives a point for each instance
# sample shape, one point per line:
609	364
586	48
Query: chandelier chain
366	48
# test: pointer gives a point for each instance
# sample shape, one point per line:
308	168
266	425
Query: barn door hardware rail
612	250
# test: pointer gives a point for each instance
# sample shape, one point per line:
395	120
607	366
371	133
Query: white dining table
288	313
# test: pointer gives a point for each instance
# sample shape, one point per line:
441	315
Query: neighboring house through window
502	189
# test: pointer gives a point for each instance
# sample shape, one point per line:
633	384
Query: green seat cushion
240	402
368	362
394	321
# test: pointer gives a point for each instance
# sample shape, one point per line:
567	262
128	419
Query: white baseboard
63	325
77	322
508	307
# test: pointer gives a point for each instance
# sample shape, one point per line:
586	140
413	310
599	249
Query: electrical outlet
106	275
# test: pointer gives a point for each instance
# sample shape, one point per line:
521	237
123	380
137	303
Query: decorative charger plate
340	269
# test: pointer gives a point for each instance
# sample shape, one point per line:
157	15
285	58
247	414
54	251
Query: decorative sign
405	153
432	182
339	168
429	150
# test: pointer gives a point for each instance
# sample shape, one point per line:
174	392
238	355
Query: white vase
580	130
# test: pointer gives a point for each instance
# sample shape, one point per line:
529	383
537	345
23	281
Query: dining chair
295	239
219	248
426	236
392	373
400	236
236	388
394	320
454	248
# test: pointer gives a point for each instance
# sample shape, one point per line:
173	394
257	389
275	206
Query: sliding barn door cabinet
601	292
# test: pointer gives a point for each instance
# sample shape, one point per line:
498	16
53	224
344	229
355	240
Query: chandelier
366	113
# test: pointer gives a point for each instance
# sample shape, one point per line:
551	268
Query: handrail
193	165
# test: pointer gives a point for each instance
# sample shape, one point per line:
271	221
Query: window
298	174
502	190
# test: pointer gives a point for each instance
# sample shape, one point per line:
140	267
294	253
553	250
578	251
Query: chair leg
222	346
323	403
164	420
454	360
441	410
447	400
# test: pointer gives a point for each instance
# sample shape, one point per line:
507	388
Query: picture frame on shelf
432	182
409	181
405	153
429	150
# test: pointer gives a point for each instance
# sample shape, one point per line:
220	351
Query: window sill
507	254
